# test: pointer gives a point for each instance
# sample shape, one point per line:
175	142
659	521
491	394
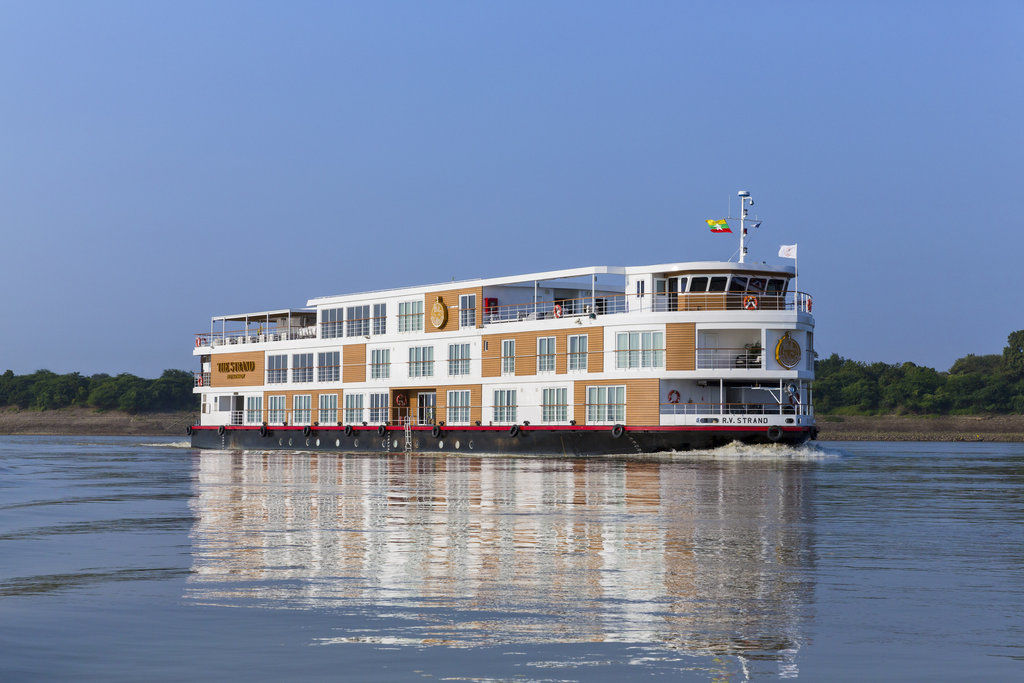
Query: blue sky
166	162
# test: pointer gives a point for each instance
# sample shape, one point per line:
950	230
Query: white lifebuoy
558	310
750	302
199	342
673	396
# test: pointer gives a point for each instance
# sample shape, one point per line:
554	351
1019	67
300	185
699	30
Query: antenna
745	201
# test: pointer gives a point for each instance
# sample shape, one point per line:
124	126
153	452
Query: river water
129	558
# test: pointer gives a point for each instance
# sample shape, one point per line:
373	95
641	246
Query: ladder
408	434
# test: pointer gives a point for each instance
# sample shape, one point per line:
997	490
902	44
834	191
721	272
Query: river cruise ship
594	360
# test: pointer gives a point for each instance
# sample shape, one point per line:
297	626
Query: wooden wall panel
642	400
353	363
450	298
526	350
237	369
680	346
475	399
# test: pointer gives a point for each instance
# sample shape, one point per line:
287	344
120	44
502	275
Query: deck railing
746	358
591	307
735	409
200	379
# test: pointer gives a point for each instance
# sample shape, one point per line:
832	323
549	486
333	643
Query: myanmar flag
718	226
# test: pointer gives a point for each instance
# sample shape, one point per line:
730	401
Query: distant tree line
45	390
974	384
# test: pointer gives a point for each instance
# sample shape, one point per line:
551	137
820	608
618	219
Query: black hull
567	441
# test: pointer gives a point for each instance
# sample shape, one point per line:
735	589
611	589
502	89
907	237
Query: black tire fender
774	433
188	430
307	430
617	431
513	430
263	430
220	430
348	430
382	430
435	431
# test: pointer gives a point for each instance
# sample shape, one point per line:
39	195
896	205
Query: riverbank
86	421
72	421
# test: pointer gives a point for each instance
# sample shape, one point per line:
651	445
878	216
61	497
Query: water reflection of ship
701	556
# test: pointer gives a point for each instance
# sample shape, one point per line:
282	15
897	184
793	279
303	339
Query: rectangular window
328	409
302	367
639	350
458	359
353	408
640	287
302	409
505	405
380	318
545	354
380	363
809	352
330	322
421	361
606	404
508	356
467	310
410	316
458	407
378	408
717	283
699	284
578	352
276	411
357	321
277	369
738	284
328	366
253	410
555	405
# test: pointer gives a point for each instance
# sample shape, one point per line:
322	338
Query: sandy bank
88	421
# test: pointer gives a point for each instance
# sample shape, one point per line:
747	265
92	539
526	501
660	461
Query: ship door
425	402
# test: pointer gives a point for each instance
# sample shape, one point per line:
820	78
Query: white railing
736	409
746	358
236	417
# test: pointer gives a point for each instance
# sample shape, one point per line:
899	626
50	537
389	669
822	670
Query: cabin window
606	404
467	310
578	352
508	356
717	283
505	405
357	323
555	405
410	316
327	366
738	284
698	284
546	354
378	408
458	407
776	286
353	408
380	318
458	359
327	411
640	286
380	363
330	322
639	350
302	409
276	411
253	410
277	369
302	367
756	284
421	361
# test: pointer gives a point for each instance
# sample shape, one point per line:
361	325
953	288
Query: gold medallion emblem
787	352
439	314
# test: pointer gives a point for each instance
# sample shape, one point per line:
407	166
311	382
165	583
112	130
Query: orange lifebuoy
199	342
808	304
401	401
199	383
750	302
558	310
673	396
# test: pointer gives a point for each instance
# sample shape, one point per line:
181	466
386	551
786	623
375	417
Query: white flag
787	251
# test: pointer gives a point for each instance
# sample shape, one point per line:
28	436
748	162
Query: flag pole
796	271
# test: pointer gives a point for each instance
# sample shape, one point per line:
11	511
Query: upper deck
691	290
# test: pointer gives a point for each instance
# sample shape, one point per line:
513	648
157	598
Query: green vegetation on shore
974	385
45	390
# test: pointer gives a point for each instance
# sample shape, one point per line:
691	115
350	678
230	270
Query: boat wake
742	451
